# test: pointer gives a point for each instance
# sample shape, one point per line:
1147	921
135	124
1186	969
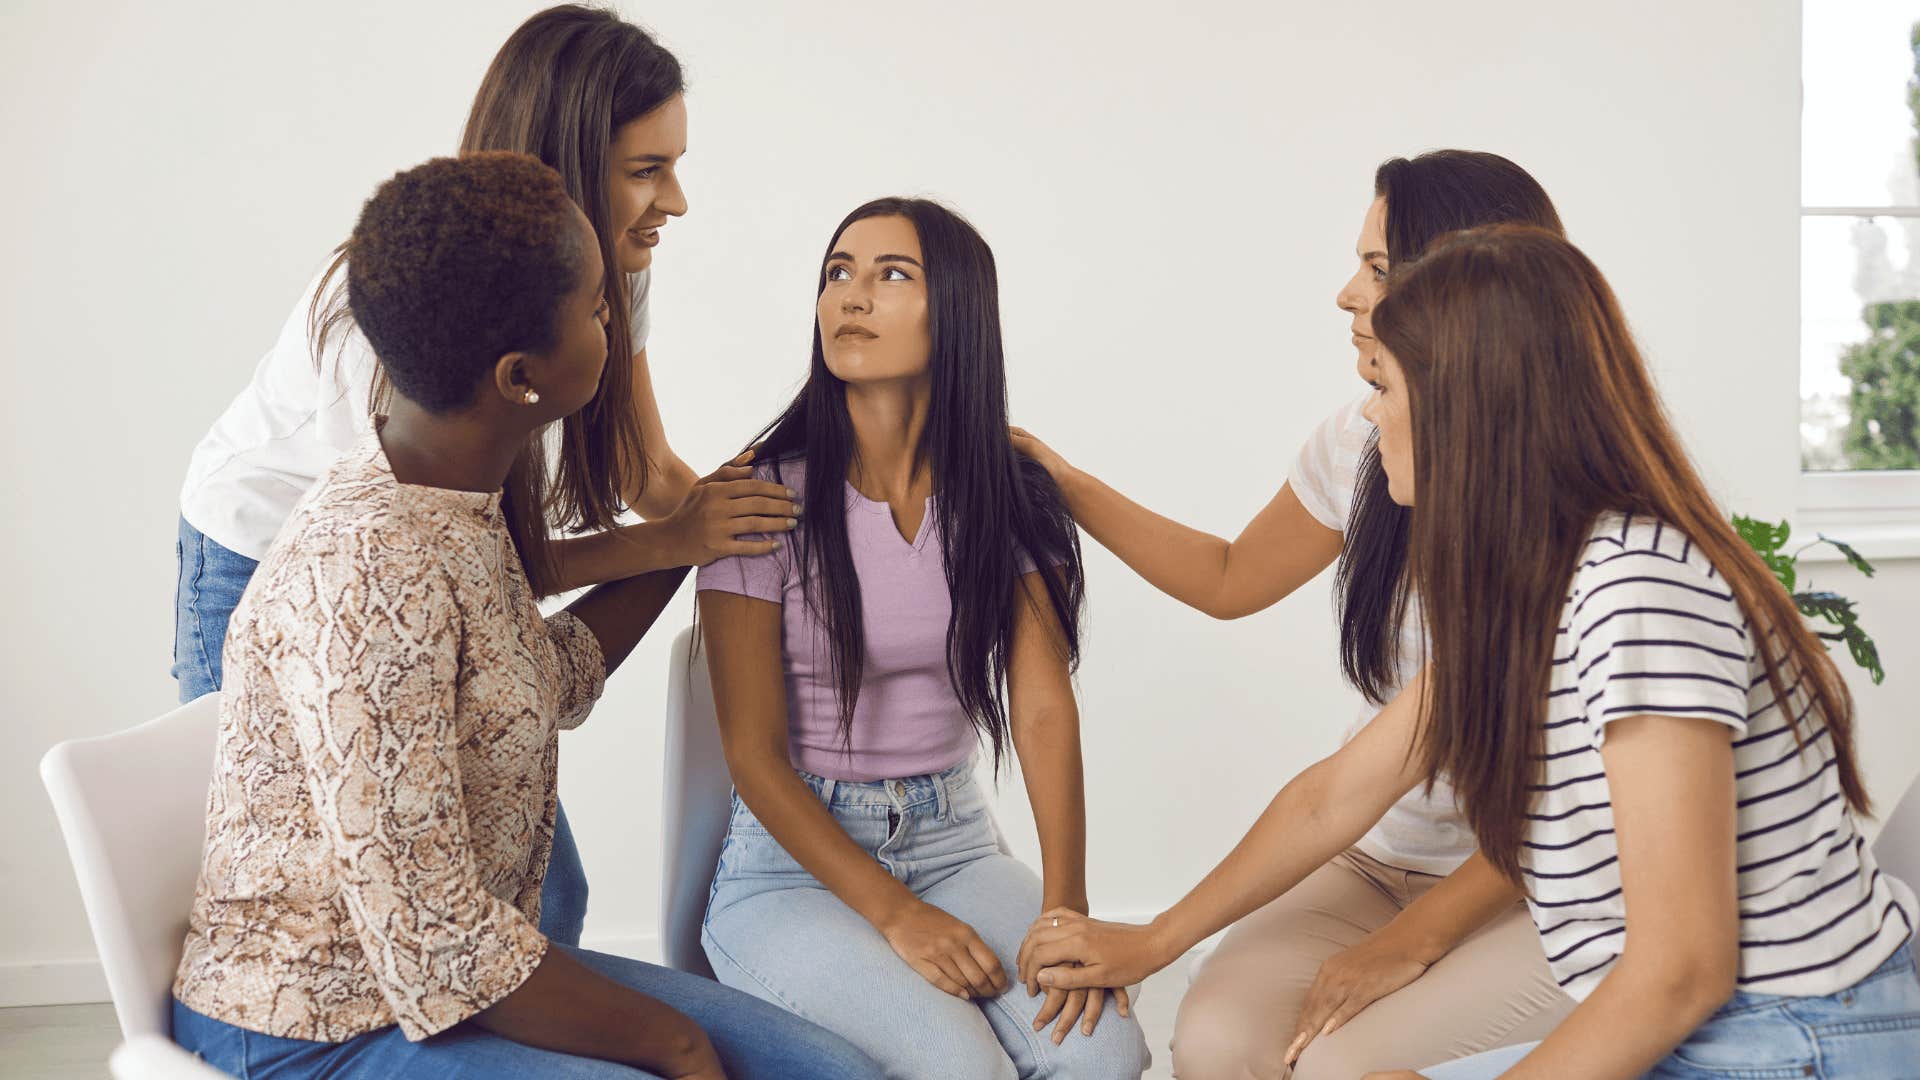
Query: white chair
696	803
155	1057
1897	848
133	808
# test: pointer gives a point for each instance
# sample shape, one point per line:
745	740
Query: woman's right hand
945	951
722	507
1025	443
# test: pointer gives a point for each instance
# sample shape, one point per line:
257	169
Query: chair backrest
696	802
1897	848
133	808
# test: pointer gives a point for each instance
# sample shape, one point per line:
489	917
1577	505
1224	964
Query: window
1860	270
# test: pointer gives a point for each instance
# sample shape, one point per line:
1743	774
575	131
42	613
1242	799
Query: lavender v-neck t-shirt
907	720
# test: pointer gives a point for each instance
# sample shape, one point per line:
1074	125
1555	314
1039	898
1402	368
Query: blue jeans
211	580
778	934
755	1041
1869	1031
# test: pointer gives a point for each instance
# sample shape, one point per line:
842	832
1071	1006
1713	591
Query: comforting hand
720	508
946	952
1066	950
1083	1006
1349	982
1025	443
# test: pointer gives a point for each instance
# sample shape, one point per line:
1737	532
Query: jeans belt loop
827	784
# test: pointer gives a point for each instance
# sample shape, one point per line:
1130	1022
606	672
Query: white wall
1173	199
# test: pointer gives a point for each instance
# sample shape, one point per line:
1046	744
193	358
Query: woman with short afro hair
382	808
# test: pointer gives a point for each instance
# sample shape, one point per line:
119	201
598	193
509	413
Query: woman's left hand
1066	950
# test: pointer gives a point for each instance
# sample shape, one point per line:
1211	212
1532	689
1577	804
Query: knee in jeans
1217	1039
1117	1050
822	1055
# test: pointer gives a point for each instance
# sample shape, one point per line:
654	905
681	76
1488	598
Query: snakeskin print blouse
382	802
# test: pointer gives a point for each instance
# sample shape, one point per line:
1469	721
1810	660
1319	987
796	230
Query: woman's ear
510	380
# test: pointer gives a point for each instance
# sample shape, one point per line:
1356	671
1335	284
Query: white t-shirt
1650	627
1424	831
290	423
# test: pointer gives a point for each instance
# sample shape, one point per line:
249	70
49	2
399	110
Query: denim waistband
1744	1001
929	792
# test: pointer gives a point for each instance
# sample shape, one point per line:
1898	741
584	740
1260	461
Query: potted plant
1770	541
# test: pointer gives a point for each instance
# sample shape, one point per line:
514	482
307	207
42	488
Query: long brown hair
1533	413
1427	196
560	89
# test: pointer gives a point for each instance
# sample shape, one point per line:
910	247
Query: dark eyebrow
841	256
653	159
1366	255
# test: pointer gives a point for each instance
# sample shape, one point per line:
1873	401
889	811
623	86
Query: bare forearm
616	554
1466	900
1299	831
1049	749
1633	1019
566	1007
668	481
1185	563
620	614
808	832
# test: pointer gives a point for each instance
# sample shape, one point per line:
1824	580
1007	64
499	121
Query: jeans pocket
1757	1044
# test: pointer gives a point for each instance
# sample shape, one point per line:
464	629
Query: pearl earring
532	397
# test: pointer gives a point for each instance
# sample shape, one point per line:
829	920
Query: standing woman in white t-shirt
1406	925
599	101
1651	745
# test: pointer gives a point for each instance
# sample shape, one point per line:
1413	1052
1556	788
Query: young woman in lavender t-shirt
930	596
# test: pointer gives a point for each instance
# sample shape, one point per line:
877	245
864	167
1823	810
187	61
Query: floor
71	1042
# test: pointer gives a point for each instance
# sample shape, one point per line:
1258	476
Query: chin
632	259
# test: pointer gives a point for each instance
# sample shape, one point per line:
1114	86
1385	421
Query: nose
1350	299
855	299
670	198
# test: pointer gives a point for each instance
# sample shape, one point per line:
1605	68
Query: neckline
919	541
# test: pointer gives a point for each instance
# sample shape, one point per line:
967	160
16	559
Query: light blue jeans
775	932
211	581
754	1042
1869	1031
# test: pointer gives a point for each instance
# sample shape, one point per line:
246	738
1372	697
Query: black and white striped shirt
1651	628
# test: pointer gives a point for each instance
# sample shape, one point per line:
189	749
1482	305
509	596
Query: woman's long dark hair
1427	197
1514	322
560	89
990	505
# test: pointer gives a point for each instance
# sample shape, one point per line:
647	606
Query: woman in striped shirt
1649	744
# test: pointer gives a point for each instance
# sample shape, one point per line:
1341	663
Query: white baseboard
71	982
81	982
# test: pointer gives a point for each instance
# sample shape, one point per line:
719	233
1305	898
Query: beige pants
1239	1014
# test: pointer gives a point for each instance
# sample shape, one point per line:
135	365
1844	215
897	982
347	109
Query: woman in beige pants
1408	946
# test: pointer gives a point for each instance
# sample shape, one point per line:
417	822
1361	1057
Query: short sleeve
366	659
1323	471
582	673
763	577
640	316
1656	634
